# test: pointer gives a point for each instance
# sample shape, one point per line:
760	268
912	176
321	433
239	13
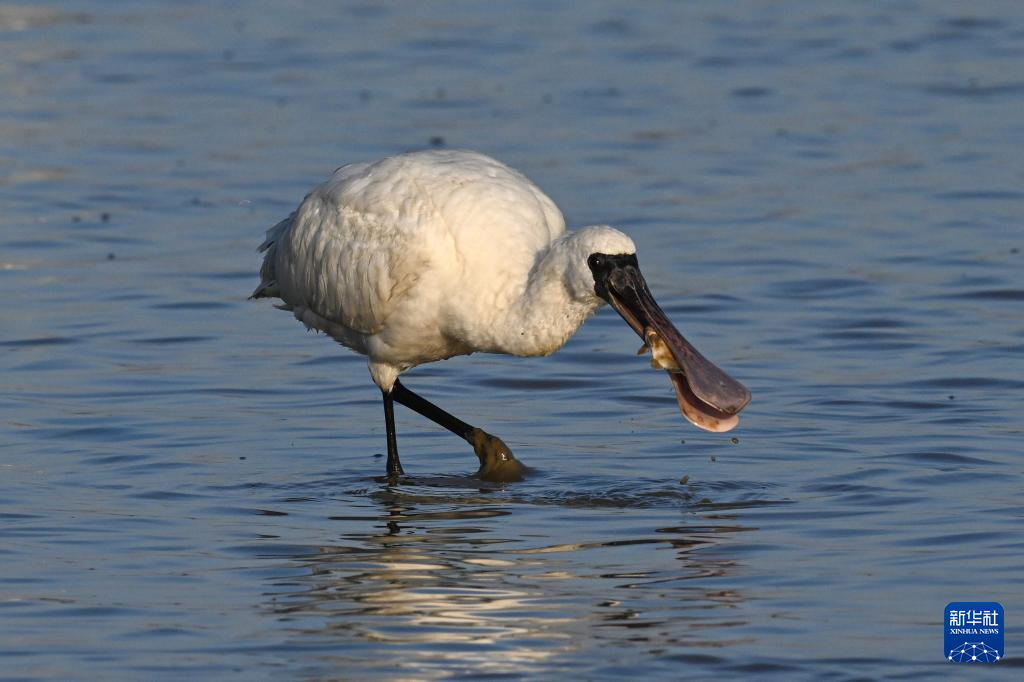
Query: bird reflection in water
435	586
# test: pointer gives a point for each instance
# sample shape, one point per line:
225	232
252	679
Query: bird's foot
497	463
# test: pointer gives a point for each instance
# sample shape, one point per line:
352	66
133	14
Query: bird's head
580	246
708	397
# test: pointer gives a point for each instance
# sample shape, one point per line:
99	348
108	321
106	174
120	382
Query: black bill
708	396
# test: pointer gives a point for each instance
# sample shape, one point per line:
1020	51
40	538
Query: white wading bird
427	255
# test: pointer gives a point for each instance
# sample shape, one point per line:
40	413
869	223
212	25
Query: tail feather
268	286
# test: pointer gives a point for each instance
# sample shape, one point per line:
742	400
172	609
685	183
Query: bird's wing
345	257
360	242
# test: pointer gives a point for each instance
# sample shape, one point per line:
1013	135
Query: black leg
394	465
431	411
496	461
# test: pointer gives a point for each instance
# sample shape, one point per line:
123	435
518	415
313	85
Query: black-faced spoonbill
427	255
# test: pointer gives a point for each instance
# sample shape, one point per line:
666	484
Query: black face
617	279
603	265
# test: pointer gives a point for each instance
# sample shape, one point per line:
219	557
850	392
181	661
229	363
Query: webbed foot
497	463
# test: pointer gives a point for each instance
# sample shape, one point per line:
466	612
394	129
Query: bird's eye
595	261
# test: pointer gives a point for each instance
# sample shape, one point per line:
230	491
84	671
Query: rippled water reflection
826	200
458	582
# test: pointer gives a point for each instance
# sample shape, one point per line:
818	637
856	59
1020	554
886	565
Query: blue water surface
826	198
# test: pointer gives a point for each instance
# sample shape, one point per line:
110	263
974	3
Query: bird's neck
542	319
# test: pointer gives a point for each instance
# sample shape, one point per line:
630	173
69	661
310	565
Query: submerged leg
394	465
496	461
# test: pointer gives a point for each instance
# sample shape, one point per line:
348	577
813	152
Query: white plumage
428	255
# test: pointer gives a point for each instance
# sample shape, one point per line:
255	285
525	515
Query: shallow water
826	200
